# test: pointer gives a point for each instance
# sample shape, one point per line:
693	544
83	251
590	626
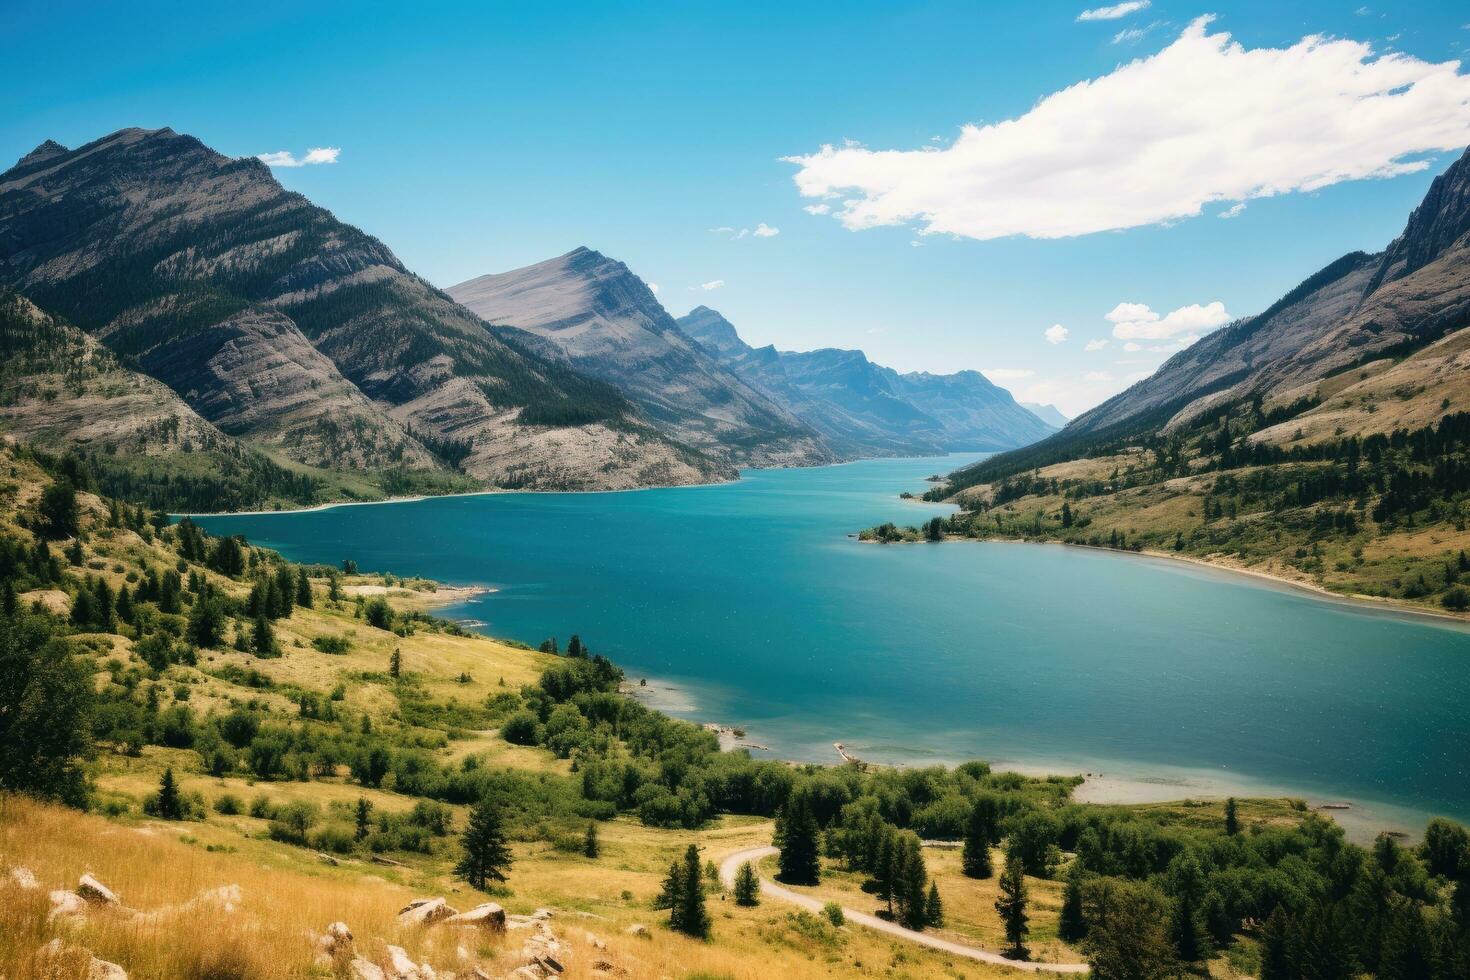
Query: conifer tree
590	846
797	837
575	648
170	807
263	638
303	589
747	886
486	856
694	918
1276	946
975	859
395	663
1186	925
1012	908
364	815
933	907
671	895
1072	922
1232	819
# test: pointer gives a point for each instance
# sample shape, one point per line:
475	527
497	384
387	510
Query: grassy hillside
326	736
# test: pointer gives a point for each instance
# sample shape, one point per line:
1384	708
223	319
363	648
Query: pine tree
1072	922
364	815
395	663
170	807
933	907
671	895
975	859
590	846
263	638
1276	946
1012	908
694	919
1186	925
1232	820
575	648
796	836
747	886
486	856
303	589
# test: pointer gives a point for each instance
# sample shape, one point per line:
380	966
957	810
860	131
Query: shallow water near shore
752	601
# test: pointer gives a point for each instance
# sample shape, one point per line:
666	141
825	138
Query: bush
332	644
228	805
261	807
334	838
1456	598
521	728
834	914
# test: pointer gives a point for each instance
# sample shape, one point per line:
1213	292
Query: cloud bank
315	155
1205	120
1135	321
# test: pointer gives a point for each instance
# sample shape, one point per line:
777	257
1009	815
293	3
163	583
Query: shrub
228	805
834	914
521	728
332	644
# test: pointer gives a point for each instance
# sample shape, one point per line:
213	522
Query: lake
749	604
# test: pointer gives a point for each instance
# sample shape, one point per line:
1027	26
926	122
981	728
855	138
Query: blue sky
479	137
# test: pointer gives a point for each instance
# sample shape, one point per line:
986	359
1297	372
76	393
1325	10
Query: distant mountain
296	332
1049	414
609	325
864	409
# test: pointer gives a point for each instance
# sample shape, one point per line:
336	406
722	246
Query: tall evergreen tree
395	663
1278	936
797	836
60	515
1072	922
486	856
1232	819
170	806
304	598
46	702
694	918
979	831
1186	921
933	907
363	817
263	638
747	886
1012	908
590	846
671	895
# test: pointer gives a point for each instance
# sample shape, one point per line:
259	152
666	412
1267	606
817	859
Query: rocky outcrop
608	324
63	958
292	329
487	916
426	912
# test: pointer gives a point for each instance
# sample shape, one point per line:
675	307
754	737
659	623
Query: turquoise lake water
748	604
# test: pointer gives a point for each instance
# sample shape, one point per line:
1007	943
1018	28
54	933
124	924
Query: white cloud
1135	321
315	155
818	209
1115	11
1093	345
1130	34
1204	120
764	230
1056	333
713	284
1132	347
916	244
1233	211
1002	375
1097	376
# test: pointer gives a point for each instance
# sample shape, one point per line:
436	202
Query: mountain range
864	409
274	337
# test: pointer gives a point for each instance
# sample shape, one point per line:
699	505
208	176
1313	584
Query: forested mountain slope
609	325
289	328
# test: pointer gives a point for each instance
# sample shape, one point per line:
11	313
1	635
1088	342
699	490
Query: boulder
335	945
96	892
425	912
542	914
640	930
402	967
23	879
97	969
487	916
367	970
595	942
65	904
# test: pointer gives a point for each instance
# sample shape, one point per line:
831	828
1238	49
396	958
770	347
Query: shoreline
1357	602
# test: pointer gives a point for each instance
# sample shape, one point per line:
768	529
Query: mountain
294	331
864	409
1322	440
609	325
1049	414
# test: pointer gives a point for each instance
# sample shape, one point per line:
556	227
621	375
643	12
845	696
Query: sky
1059	194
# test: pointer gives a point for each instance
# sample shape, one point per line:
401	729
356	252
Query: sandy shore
435	598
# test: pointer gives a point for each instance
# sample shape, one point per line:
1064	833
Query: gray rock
93	891
487	916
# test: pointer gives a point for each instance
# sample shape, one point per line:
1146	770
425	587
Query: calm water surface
749	604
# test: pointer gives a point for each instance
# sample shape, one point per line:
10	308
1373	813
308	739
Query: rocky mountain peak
1441	220
44	152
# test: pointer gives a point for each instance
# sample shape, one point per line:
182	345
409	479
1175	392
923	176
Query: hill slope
609	325
288	327
864	409
1324	441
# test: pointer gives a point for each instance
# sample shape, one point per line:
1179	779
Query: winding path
770	889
